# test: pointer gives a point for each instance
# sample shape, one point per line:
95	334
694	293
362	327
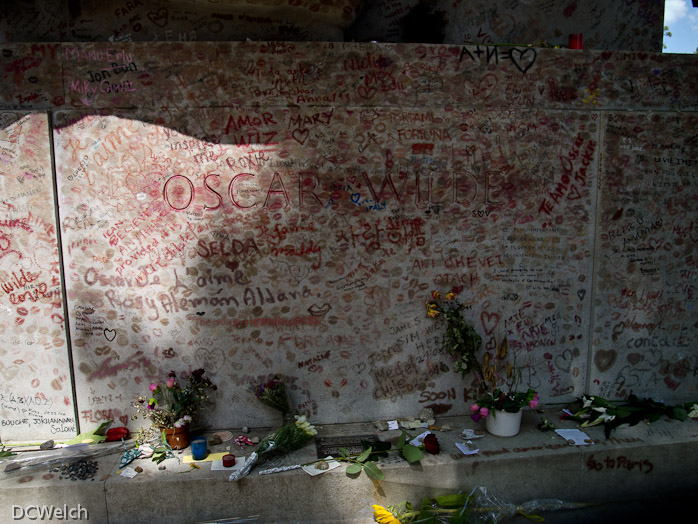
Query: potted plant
497	376
501	404
171	407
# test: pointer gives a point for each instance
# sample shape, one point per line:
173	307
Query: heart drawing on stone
109	334
604	359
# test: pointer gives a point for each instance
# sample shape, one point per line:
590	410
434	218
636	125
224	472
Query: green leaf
623	413
449	501
680	413
343	452
102	429
364	455
411	453
401	441
354	468
373	471
653	417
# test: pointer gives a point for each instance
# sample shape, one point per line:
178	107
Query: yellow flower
435	295
450	295
383	516
432	312
307	427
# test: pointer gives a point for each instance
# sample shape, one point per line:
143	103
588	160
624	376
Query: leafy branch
366	460
596	410
6	452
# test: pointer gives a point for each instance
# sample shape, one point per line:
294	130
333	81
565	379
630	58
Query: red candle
228	460
576	41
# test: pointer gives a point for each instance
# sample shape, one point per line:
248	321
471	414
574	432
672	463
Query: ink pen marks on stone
319	311
109	334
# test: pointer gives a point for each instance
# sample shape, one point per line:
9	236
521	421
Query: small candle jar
576	41
198	448
228	460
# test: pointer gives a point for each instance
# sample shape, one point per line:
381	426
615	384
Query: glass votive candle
198	448
576	41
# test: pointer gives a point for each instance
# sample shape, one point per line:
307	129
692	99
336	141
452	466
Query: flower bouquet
289	437
477	506
172	406
272	393
595	410
498	400
460	339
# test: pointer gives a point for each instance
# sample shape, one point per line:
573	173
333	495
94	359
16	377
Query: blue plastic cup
198	448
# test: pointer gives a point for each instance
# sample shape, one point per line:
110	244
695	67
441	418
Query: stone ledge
637	462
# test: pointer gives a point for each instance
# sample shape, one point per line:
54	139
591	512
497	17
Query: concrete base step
632	473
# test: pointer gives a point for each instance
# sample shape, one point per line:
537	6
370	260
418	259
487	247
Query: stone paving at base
618	476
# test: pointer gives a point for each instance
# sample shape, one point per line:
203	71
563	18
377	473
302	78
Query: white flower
605	417
306	426
694	411
182	421
587	402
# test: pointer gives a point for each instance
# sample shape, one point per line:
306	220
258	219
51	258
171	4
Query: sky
682	19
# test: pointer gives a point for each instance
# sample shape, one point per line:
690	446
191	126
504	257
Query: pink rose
533	402
171	382
153	386
484	412
474	408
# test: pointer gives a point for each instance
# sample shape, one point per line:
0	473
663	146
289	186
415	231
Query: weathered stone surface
643	462
266	208
36	399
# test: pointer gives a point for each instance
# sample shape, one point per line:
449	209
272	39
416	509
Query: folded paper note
209	458
574	437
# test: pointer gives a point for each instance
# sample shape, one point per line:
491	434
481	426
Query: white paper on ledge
128	472
465	449
312	470
575	437
419	439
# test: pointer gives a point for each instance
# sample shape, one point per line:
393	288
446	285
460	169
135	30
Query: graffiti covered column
36	400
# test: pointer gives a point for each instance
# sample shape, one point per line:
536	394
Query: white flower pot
503	423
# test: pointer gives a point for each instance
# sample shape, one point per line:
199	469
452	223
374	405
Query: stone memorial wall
280	208
633	25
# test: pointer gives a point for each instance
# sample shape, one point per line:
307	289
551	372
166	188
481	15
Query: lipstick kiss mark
319	311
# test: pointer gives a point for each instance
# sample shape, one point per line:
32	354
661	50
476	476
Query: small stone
161	467
47	445
445	427
426	414
215	440
254	440
138	469
381	425
245	429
